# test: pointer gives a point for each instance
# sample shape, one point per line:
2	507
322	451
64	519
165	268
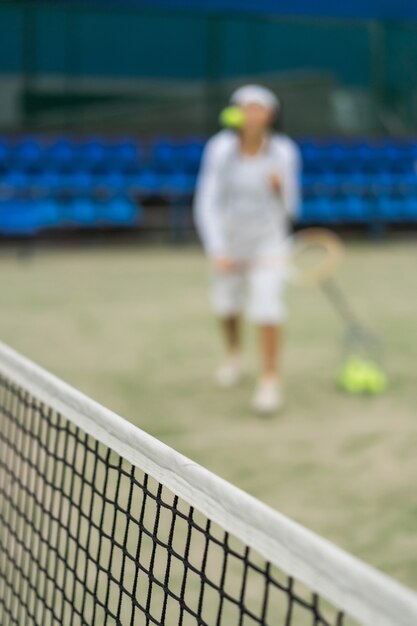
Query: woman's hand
223	264
275	182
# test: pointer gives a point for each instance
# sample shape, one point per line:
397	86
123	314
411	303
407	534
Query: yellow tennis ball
353	377
232	117
361	376
350	382
376	381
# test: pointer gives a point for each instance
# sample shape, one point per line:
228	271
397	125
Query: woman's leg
231	330
227	300
230	371
267	311
270	344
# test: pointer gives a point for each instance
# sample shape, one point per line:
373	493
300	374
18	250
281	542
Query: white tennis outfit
239	215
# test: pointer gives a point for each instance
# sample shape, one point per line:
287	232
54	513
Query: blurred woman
247	191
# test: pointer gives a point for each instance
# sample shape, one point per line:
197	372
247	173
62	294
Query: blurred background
104	111
167	66
105	106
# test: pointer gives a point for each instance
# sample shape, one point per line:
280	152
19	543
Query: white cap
250	94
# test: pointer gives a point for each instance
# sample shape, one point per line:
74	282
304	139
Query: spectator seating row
29	216
359	157
95	156
165	155
61	182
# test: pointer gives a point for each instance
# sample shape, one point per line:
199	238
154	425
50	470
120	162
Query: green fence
93	69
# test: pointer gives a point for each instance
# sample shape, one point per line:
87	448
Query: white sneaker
268	396
230	372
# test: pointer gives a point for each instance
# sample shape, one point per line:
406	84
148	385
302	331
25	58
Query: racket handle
340	302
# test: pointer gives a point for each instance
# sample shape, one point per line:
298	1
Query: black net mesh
87	538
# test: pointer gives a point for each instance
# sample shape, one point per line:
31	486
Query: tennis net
101	524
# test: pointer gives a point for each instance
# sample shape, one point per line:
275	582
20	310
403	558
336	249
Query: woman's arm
207	199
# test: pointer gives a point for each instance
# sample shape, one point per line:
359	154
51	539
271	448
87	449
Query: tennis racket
308	258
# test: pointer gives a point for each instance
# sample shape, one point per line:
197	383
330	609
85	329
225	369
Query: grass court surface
132	328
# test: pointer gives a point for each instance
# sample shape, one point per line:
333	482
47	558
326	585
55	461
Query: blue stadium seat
165	156
308	179
48	214
16	179
4	150
317	211
409	183
62	155
403	165
315	162
78	182
410	208
18	218
382	183
69	184
178	184
330	180
310	148
79	212
174	157
119	211
190	155
391	208
93	150
28	154
147	183
47	181
94	156
351	208
355	183
113	181
335	157
125	156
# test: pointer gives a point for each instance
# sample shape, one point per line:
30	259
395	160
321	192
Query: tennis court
159	467
131	328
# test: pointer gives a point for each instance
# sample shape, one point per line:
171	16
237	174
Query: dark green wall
401	56
40	39
272	45
131	43
11	38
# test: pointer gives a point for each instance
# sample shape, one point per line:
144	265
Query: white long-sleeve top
237	212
